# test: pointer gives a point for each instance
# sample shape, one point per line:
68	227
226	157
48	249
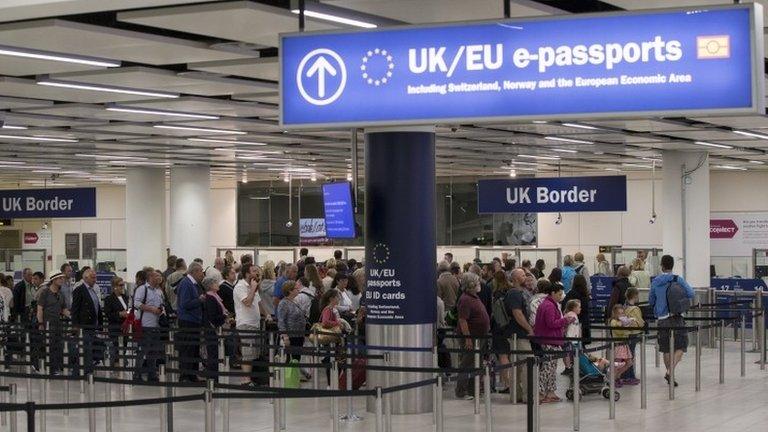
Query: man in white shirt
248	317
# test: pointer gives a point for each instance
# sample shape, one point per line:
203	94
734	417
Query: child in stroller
593	376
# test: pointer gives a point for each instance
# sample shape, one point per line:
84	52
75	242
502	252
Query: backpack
314	309
677	299
499	312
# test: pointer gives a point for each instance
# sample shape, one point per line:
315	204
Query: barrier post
335	399
755	310
282	401
743	347
698	358
576	388
43	393
379	411
108	410
513	371
536	401
531	396
350	416
643	374
612	384
722	351
12	399
80	358
711	332
671	364
162	406
3	415
28	349
477	377
225	401
435	365
169	377
388	396
275	406
761	328
210	420
440	420
487	388
121	361
91	399
315	359
30	410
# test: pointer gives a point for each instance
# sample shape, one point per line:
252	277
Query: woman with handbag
214	316
116	310
291	319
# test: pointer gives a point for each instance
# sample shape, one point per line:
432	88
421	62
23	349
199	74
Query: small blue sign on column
48	203
561	194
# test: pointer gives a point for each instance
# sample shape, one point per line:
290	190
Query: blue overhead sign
339	210
682	62
562	194
47	203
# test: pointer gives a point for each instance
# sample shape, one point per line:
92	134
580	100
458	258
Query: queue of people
523	311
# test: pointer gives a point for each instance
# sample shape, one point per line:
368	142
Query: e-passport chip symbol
713	47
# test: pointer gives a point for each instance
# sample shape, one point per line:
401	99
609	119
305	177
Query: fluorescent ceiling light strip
715	145
636	165
4	162
731	167
651	159
108	89
580	126
198	129
307	170
37	138
125	162
757	162
162	113
751	134
222	141
570	140
539	157
13	127
336	19
110	157
48	171
612	169
255	152
561	150
45	55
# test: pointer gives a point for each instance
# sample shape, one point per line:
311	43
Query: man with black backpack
670	298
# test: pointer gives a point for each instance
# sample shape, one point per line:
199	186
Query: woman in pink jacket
550	326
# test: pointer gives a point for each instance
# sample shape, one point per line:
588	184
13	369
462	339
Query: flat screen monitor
339	210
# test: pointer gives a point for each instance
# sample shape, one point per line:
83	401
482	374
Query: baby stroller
591	380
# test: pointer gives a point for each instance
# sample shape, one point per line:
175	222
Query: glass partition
487	254
15	260
357	253
623	256
237	252
275	255
552	256
111	260
728	267
760	263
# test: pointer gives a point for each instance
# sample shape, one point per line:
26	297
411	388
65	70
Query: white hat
55	275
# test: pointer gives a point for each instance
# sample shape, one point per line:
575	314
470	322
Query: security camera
288	224
454	128
45	226
559	219
653	219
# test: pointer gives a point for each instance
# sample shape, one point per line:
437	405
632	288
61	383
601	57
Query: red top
328	318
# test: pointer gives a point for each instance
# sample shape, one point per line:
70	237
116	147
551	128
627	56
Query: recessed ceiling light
570	140
751	134
512	173
161	112
336	18
580	126
709	144
612	169
109	89
539	157
37	138
198	129
562	150
47	55
539	122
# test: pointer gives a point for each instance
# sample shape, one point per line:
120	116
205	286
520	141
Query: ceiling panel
14	103
202	105
745	122
429	11
146	78
704	135
19	66
20	87
265	97
76	38
19	119
241	20
259	68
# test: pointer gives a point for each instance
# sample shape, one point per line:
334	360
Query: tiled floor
741	404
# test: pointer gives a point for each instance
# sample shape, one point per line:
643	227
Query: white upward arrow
320	67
